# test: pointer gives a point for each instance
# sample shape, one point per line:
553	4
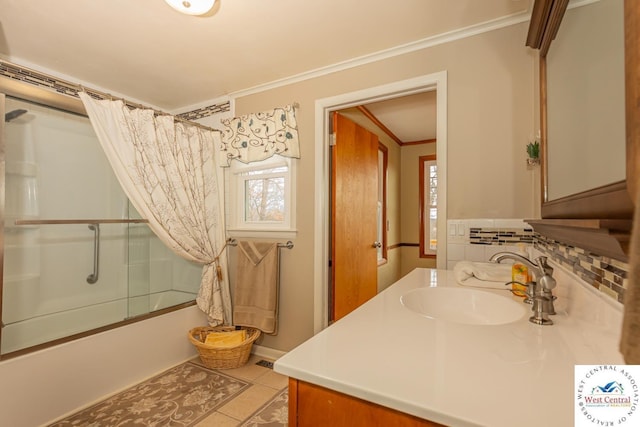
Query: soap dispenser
520	274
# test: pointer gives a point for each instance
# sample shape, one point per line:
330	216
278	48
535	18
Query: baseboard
269	353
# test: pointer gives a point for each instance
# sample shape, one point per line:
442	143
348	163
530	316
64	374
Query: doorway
323	110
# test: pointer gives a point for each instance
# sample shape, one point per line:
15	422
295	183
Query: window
261	196
428	206
382	203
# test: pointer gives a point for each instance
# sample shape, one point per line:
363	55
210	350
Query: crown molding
473	30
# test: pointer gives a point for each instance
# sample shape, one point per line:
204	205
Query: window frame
425	252
236	178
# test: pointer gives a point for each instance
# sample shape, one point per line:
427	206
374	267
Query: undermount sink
466	306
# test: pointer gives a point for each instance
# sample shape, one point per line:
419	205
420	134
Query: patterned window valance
258	136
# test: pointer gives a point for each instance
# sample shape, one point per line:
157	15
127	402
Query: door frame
322	234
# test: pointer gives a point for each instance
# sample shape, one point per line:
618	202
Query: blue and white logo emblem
607	395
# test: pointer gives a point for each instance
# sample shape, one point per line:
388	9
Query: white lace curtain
168	171
258	136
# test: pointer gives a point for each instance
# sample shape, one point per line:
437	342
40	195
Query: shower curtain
168	170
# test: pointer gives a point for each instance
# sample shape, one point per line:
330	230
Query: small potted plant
533	152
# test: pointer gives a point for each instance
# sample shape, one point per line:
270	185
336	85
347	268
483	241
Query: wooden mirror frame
599	219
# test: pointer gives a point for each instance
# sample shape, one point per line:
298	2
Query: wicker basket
222	357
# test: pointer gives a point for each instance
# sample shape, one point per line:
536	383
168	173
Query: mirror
585	160
587	201
585	100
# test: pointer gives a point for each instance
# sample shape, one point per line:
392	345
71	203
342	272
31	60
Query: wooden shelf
607	237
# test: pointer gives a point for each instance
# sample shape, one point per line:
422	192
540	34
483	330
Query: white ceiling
410	118
146	51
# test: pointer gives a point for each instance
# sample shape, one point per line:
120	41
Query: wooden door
354	201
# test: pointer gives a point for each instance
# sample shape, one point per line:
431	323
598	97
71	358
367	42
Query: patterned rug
181	396
274	413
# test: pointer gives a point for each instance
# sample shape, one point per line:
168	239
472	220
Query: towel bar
288	245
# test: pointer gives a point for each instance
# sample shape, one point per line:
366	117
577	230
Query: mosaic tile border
38	79
607	275
500	236
35	78
206	111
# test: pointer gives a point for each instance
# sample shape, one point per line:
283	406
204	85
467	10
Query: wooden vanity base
311	405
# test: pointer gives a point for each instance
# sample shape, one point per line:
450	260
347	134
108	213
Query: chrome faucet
539	290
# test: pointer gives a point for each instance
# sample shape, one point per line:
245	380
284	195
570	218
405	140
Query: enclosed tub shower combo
77	255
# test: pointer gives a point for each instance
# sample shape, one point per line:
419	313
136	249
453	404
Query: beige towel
255	298
630	340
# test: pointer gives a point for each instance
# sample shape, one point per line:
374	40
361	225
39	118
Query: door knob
377	245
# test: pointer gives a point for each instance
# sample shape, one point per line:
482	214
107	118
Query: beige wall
490	118
411	207
390	272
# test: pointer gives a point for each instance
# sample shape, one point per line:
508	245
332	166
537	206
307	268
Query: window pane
433	229
264	199
278	169
433	211
433	185
429	239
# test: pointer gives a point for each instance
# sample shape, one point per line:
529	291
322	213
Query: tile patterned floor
250	404
261	401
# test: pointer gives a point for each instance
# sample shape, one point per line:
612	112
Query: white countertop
462	375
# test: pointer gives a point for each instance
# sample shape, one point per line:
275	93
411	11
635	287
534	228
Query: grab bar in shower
78	221
94	225
93	277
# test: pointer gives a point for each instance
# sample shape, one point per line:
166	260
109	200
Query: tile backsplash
500	236
607	275
479	239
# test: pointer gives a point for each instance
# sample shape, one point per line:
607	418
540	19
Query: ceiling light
192	7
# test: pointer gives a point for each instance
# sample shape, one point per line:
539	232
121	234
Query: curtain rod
71	89
129	104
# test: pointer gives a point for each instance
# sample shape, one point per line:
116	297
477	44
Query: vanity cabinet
312	405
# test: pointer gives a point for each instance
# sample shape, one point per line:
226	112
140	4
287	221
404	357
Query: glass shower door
76	255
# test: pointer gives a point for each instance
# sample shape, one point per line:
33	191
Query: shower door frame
68	103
